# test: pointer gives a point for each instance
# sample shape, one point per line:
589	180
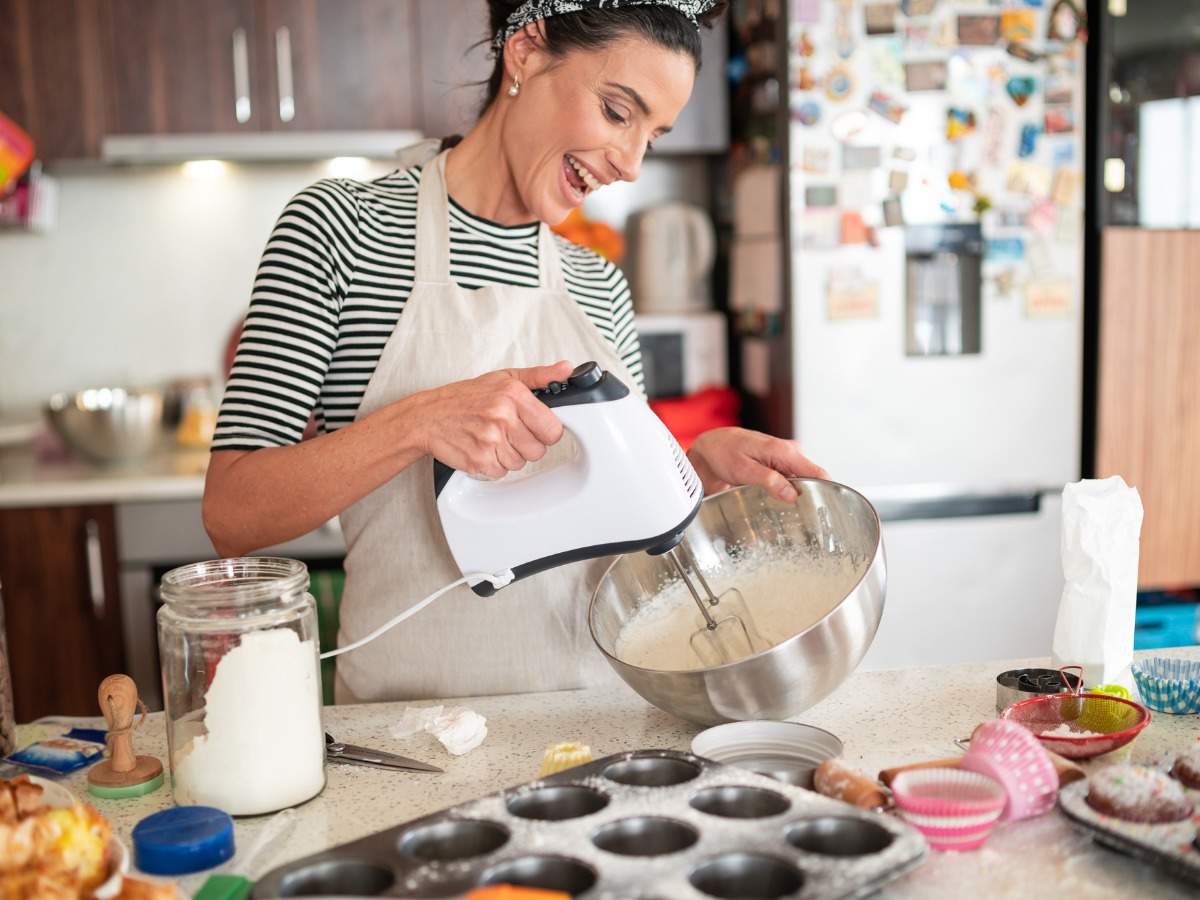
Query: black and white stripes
332	284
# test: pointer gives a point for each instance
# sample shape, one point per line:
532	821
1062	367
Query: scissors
336	751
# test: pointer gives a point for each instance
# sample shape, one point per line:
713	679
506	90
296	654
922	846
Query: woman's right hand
490	425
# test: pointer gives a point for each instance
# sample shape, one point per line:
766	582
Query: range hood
260	147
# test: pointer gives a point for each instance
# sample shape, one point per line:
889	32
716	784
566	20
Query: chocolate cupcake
1187	768
1137	794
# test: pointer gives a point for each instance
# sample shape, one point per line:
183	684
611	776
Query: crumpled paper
1101	527
459	729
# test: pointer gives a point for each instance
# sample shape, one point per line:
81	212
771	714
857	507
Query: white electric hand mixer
630	487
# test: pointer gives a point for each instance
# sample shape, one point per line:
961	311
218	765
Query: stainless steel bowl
828	519
108	424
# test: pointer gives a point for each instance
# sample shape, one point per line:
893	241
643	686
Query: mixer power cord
499	581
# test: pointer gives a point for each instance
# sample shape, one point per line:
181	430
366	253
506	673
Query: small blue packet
77	748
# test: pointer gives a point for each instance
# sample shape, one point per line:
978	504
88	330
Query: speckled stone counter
884	718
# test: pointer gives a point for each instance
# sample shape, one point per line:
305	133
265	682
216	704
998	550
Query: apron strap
433	224
433	234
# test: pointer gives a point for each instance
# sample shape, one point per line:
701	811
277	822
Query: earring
515	89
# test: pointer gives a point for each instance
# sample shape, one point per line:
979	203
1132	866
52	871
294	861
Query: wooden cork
124	768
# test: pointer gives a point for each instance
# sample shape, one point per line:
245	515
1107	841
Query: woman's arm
488	425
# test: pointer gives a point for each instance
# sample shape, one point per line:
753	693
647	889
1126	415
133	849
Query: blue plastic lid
182	840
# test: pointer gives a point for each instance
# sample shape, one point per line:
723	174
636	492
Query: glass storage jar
242	684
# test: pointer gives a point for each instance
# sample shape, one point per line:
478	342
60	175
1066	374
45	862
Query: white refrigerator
935	221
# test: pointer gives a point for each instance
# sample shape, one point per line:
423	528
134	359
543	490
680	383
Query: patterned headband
533	10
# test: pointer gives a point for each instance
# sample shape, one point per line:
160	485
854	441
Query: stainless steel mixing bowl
827	520
108	424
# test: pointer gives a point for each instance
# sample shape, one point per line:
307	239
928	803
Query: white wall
148	270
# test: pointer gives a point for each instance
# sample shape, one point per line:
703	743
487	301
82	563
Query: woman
414	313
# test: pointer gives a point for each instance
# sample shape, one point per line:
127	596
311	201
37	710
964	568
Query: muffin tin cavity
652	771
747	875
645	836
454	839
839	836
557	804
340	877
550	873
739	802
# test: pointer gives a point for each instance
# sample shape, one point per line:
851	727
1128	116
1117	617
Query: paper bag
1101	524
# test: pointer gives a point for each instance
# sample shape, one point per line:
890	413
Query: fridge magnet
1067	225
893	212
917	7
904	154
1064	23
1059	118
1064	153
804	45
818	196
820	229
849	125
860	157
1005	250
1018	25
959	123
807	113
839	83
805	80
807	11
995	126
961	181
1020	88
1028	178
1023	52
891	109
1009	217
886	69
816	159
1047	298
851	294
1042	217
978	30
946	34
853	228
1004	280
897	181
981	204
1065	188
1028	141
880	18
843	32
918	36
929	75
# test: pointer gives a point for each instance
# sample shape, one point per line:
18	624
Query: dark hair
591	29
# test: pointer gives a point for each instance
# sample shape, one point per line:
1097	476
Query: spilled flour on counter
784	597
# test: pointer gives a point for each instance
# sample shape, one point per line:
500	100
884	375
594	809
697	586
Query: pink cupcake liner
1010	754
953	808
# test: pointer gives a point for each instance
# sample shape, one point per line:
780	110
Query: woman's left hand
725	457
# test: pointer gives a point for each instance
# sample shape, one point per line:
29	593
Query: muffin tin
646	824
1170	847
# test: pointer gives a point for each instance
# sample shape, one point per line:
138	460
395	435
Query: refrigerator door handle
905	504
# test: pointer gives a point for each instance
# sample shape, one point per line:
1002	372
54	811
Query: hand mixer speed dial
629	487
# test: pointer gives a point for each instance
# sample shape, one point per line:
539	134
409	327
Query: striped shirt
333	282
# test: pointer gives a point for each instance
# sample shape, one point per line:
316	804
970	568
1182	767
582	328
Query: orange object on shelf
16	152
604	239
689	417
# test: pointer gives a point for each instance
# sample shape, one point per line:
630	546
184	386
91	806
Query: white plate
787	751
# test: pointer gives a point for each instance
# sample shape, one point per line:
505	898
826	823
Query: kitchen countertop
169	474
884	718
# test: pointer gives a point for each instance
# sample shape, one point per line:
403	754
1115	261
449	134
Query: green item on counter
124	793
224	887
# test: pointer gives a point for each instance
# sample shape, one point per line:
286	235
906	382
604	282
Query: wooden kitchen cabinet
59	579
178	66
455	57
52	74
345	66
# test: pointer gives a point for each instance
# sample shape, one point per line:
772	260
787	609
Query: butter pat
459	729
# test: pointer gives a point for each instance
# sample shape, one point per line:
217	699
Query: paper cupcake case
1170	847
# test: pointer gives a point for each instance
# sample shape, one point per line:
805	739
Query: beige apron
530	636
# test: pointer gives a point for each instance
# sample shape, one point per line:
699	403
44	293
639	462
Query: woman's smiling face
586	119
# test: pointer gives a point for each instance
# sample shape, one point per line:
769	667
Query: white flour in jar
265	747
784	598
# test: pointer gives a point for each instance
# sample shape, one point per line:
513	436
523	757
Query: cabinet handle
283	70
95	566
241	76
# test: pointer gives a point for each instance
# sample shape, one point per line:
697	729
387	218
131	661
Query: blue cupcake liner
1169	685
